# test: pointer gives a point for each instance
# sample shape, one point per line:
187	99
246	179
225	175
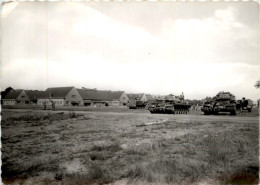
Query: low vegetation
103	148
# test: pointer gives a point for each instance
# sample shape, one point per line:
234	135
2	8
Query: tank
244	105
137	104
170	105
222	102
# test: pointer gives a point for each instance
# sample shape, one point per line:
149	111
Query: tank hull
173	109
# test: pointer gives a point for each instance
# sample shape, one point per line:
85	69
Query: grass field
128	147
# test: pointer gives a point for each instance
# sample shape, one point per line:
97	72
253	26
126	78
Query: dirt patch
74	166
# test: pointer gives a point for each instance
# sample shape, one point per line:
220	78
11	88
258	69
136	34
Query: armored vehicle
222	102
244	104
170	105
137	104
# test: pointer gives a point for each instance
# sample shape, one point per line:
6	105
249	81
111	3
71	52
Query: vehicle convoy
170	105
222	102
137	104
244	104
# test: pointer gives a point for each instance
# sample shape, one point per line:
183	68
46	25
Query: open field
122	146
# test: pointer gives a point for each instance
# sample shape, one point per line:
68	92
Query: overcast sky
150	47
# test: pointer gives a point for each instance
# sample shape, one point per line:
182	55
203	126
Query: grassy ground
74	108
128	148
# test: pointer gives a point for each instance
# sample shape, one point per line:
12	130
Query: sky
138	47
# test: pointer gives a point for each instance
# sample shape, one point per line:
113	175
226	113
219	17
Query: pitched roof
34	94
135	96
13	94
88	94
44	95
113	95
103	95
59	92
92	94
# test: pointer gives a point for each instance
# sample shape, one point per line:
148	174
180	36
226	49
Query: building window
73	96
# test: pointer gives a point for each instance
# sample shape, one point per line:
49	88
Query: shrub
96	175
96	156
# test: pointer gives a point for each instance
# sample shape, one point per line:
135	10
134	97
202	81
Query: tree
257	84
5	92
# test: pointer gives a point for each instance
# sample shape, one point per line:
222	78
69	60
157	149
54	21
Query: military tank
170	105
222	102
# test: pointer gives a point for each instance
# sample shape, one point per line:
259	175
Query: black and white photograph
130	92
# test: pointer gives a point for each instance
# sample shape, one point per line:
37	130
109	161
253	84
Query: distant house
12	97
103	98
45	98
140	97
88	96
116	98
22	97
34	95
61	96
